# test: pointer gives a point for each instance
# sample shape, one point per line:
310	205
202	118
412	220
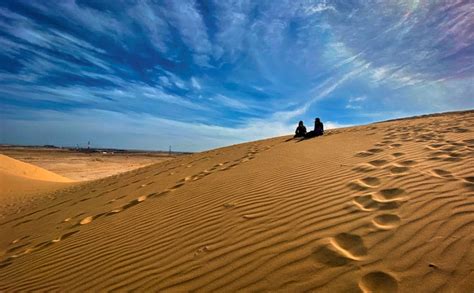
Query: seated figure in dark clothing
318	129
300	130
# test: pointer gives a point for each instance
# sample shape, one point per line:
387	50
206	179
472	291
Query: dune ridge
21	183
21	169
387	207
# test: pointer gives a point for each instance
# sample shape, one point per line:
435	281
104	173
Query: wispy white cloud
195	83
185	16
95	20
125	93
233	27
318	7
39	43
229	102
321	92
152	21
355	102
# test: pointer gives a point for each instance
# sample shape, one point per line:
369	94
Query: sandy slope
82	166
20	182
18	168
382	208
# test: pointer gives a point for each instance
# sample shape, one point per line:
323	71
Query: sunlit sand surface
384	207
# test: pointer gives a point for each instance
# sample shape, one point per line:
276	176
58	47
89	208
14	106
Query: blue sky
202	74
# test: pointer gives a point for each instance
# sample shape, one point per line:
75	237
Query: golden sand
21	182
385	207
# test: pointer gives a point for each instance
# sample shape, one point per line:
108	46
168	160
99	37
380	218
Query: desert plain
384	207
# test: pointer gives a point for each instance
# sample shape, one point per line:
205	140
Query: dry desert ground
385	207
82	165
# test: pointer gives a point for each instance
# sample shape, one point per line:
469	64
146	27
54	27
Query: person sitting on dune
318	129
300	130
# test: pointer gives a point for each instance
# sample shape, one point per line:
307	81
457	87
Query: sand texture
21	182
81	166
387	207
21	169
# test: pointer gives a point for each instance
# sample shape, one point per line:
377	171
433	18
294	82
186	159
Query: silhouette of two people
318	129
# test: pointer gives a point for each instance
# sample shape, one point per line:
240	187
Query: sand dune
83	166
385	207
25	170
20	182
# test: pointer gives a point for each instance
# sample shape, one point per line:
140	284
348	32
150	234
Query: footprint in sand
6	262
341	250
229	205
390	193
369	152
363	154
67	235
352	245
378	163
185	179
440	173
202	250
134	202
369	203
117	198
357	186
18	247
371	181
398	154
200	175
386	221
364	183
177	185
45	244
114	211
469	183
398	169
364	168
450	148
469	141
452	158
378	281
86	220
158	194
329	256
407	163
435	146
459	130
469	179
19	239
230	166
385	142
